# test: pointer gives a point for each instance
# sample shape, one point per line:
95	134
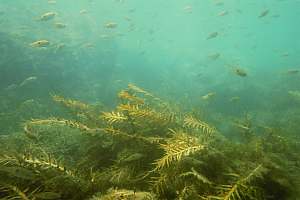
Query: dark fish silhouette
264	13
240	72
212	35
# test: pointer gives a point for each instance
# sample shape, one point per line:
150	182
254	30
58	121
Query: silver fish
212	35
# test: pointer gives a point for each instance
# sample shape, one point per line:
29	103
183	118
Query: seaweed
144	148
176	148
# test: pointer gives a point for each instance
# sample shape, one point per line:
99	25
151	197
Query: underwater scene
149	99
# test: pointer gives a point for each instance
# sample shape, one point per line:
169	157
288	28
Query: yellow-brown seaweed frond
197	175
135	110
241	189
71	104
113	117
128	107
170	117
45	163
6	159
191	122
188	192
176	148
254	174
116	132
115	194
17	192
125	95
154	140
159	184
50	121
121	176
141	111
80	126
28	126
139	90
166	117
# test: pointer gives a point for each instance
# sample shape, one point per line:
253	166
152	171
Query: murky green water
136	99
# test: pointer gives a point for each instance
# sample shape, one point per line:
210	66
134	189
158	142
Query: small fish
11	87
239	11
219	3
223	13
59	47
60	25
28	80
131	27
276	15
208	96
47	16
120	34
245	127
234	99
212	35
111	25
40	43
293	71
83	11
132	10
105	36
295	94
240	72
89	45
286	54
264	13
214	56
51	2
198	75
188	9
132	158
127	18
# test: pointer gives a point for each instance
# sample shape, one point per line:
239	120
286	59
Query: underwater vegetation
140	100
144	148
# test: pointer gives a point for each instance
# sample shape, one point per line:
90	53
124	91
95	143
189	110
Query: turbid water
136	99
